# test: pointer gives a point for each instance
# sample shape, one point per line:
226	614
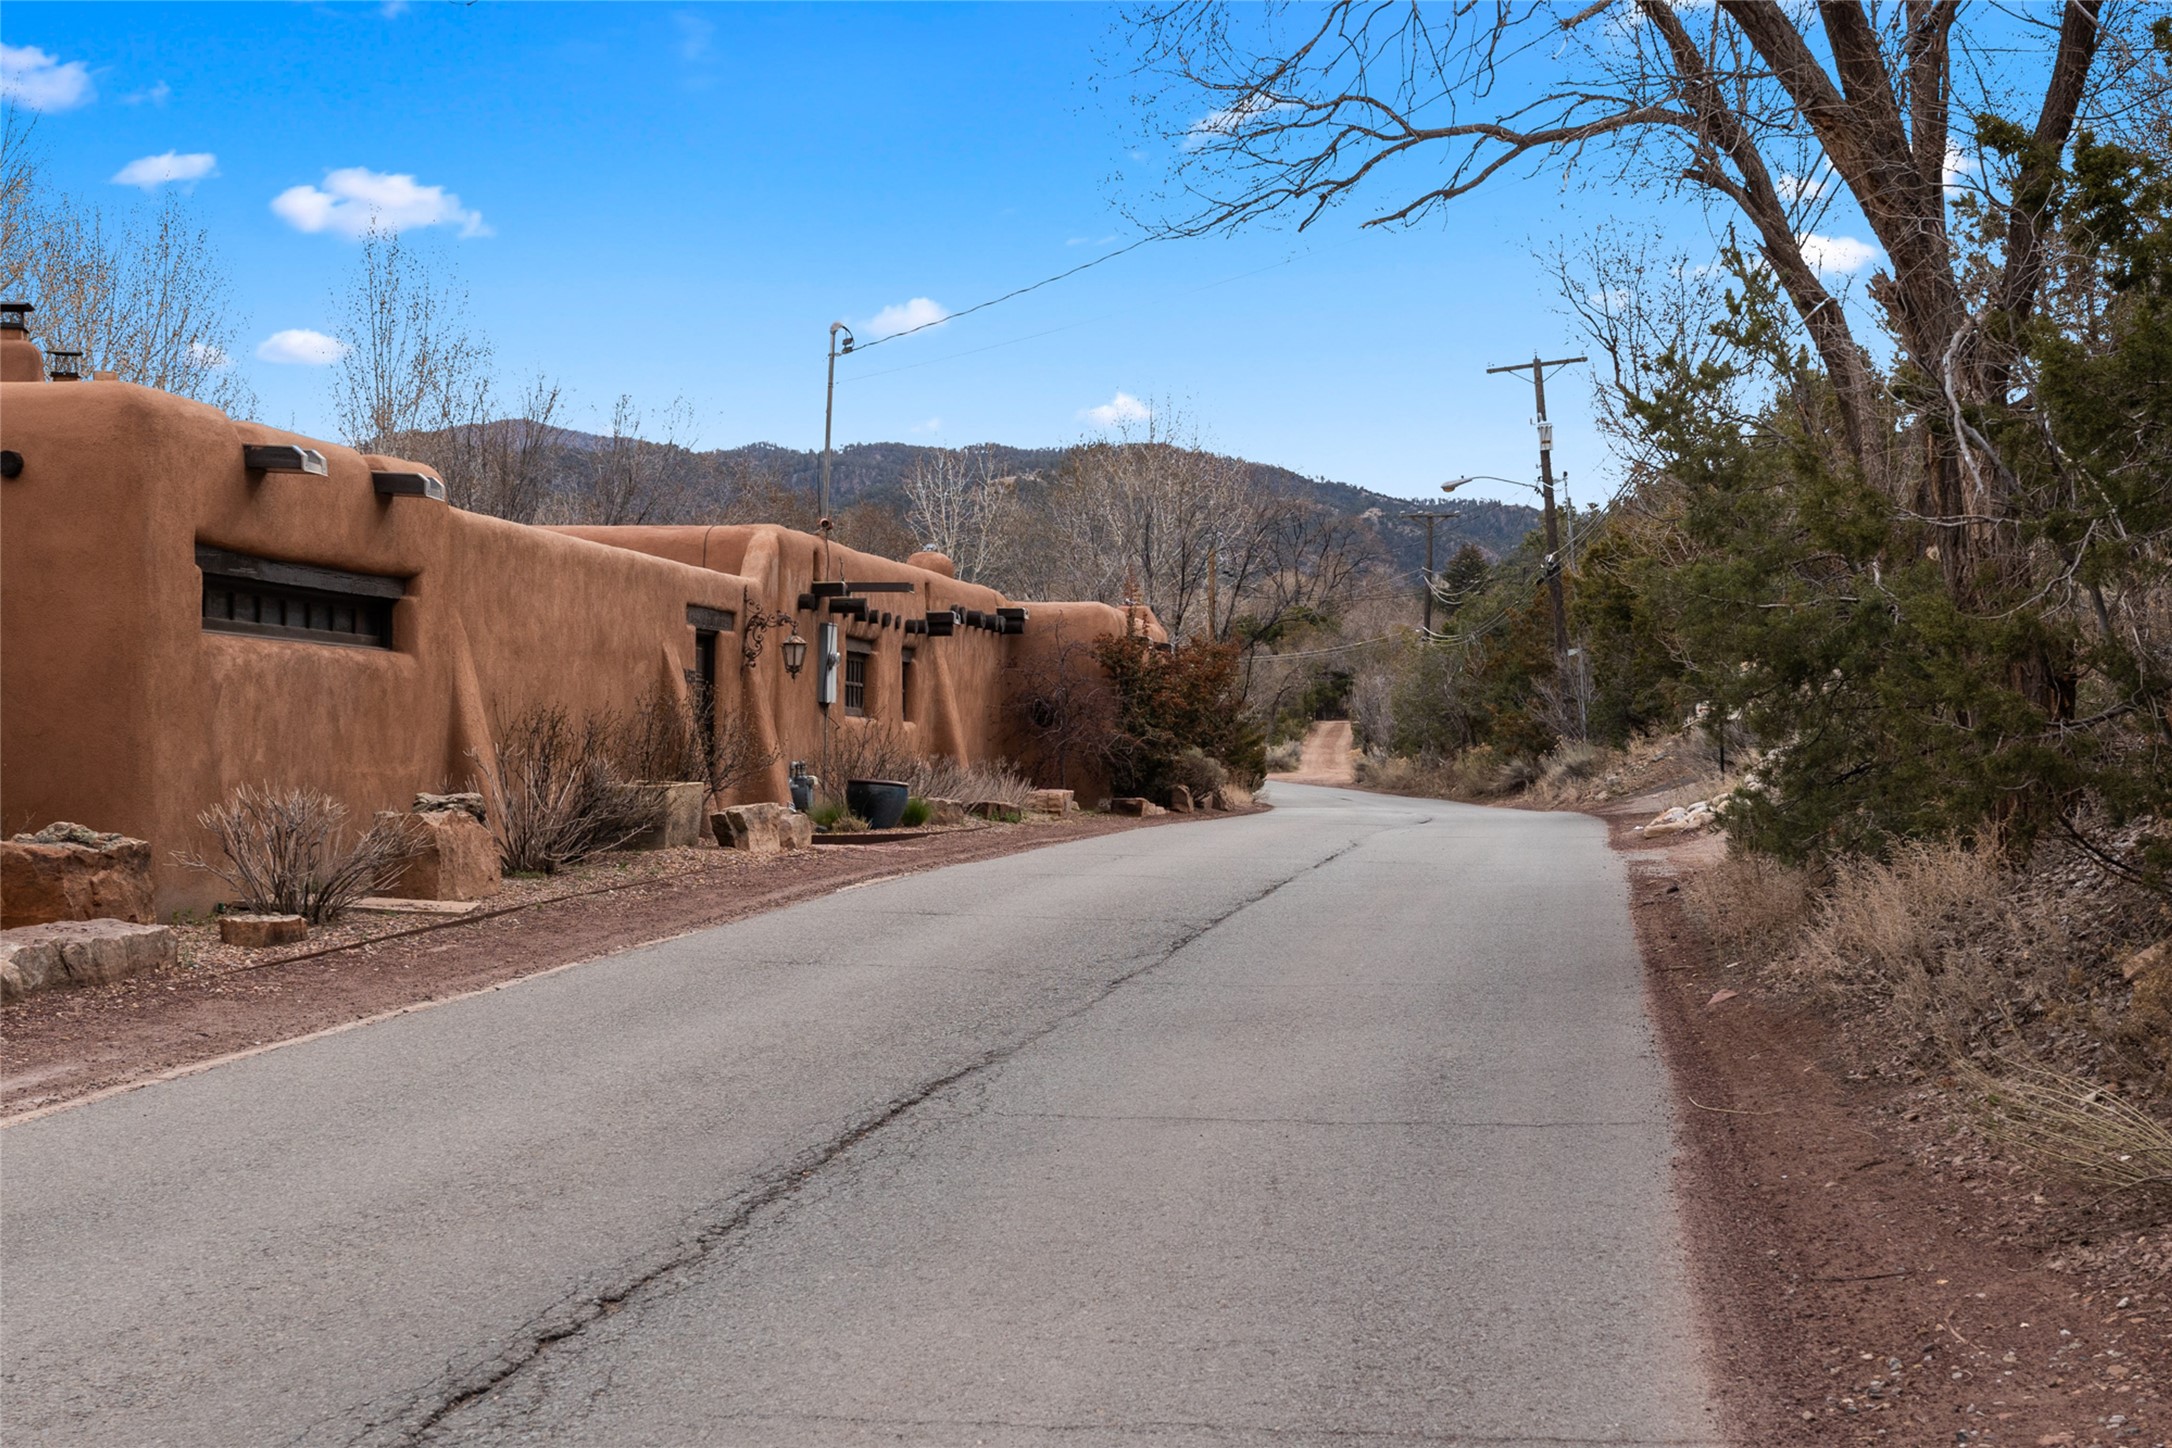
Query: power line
1015	292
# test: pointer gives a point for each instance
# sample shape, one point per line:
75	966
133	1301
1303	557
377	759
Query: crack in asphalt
422	1413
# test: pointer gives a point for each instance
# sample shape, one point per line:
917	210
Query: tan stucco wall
120	711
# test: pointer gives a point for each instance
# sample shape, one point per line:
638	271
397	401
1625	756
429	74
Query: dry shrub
1235	796
2074	1128
879	751
1285	757
1199	773
673	737
283	852
1748	904
556	793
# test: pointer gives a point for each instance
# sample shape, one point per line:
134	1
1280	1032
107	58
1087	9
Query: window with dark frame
266	598
856	681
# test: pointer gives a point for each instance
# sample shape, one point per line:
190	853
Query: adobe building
189	603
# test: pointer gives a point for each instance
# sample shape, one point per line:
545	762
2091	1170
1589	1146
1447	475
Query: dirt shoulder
1869	1274
65	1046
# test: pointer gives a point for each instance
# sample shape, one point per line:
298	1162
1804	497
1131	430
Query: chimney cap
16	314
64	365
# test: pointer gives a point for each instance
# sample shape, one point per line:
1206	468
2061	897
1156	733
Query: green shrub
917	813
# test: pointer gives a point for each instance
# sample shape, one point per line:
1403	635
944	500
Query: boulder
80	952
257	931
1180	799
1232	797
1681	819
946	811
67	872
679	809
458	860
1051	801
1133	805
992	809
762	829
467	803
2156	960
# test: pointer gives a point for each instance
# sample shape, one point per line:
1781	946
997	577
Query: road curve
1336	1124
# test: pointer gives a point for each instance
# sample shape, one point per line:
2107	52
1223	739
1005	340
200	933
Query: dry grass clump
1749	904
1931	931
2074	1128
283	852
879	751
556	793
1284	758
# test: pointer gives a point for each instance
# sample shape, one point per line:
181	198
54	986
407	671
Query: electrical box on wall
826	666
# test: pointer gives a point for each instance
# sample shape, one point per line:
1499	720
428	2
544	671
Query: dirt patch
1868	1273
67	1045
1327	758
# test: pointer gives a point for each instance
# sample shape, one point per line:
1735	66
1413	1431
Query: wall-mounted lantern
794	650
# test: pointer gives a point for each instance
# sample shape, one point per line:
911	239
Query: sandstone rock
946	812
680	806
1051	801
467	803
1132	805
992	809
67	872
459	859
2153	961
1681	819
1180	799
1232	797
80	952
762	829
257	931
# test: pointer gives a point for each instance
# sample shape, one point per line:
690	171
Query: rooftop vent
64	366
15	316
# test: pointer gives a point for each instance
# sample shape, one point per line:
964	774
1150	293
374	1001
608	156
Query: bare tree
1294	110
412	365
143	296
959	508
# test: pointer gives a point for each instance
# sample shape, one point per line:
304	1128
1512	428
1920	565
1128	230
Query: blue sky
676	201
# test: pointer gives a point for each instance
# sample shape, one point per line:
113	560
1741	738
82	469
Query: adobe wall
119	710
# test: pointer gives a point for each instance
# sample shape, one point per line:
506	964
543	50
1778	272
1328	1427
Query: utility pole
1429	519
829	411
1538	366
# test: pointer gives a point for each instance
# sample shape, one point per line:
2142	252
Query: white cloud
354	198
1610	299
933	424
1089	240
1120	409
204	354
30	77
1798	188
1836	255
301	347
695	34
903	317
152	172
1957	166
153	95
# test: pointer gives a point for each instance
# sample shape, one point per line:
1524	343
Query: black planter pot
881	802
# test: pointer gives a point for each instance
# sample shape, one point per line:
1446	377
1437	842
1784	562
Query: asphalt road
1339	1124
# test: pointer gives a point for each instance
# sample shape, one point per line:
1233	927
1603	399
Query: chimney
63	365
20	359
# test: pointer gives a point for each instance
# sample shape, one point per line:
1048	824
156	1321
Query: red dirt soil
1327	756
1852	1295
64	1046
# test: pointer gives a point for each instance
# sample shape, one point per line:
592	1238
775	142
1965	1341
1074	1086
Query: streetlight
829	411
